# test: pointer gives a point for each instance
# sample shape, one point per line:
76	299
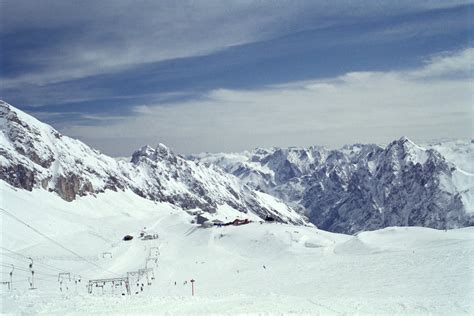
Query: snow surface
254	268
459	152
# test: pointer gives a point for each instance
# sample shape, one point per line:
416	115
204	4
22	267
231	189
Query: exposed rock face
402	190
359	187
71	185
173	179
34	155
18	176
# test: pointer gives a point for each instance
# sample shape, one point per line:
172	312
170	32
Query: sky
234	75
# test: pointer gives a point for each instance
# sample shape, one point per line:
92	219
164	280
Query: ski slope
254	268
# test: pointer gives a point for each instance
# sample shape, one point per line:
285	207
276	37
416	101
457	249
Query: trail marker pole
11	276
192	286
32	283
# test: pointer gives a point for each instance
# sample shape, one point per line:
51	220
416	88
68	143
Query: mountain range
355	188
34	156
363	186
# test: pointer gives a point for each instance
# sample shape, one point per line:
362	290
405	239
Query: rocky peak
404	149
25	135
145	152
163	152
159	153
35	156
363	187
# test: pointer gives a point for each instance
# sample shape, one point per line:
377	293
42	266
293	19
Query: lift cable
8	265
46	266
55	242
49	277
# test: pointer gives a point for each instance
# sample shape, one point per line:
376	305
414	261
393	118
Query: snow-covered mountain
248	269
358	187
362	187
459	152
33	155
65	209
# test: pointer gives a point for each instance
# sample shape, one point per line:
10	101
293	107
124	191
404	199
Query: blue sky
233	75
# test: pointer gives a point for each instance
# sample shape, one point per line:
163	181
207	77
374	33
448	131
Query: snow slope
459	152
254	268
35	156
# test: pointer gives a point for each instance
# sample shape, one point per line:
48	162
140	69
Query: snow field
255	268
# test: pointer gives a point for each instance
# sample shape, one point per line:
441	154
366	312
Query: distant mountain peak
362	187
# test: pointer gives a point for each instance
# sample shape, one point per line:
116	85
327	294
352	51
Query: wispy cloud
448	63
427	102
56	41
216	75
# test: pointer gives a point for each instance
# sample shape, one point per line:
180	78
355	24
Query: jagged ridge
34	155
359	187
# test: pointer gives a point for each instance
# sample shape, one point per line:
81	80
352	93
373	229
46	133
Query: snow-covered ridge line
358	187
33	155
363	186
